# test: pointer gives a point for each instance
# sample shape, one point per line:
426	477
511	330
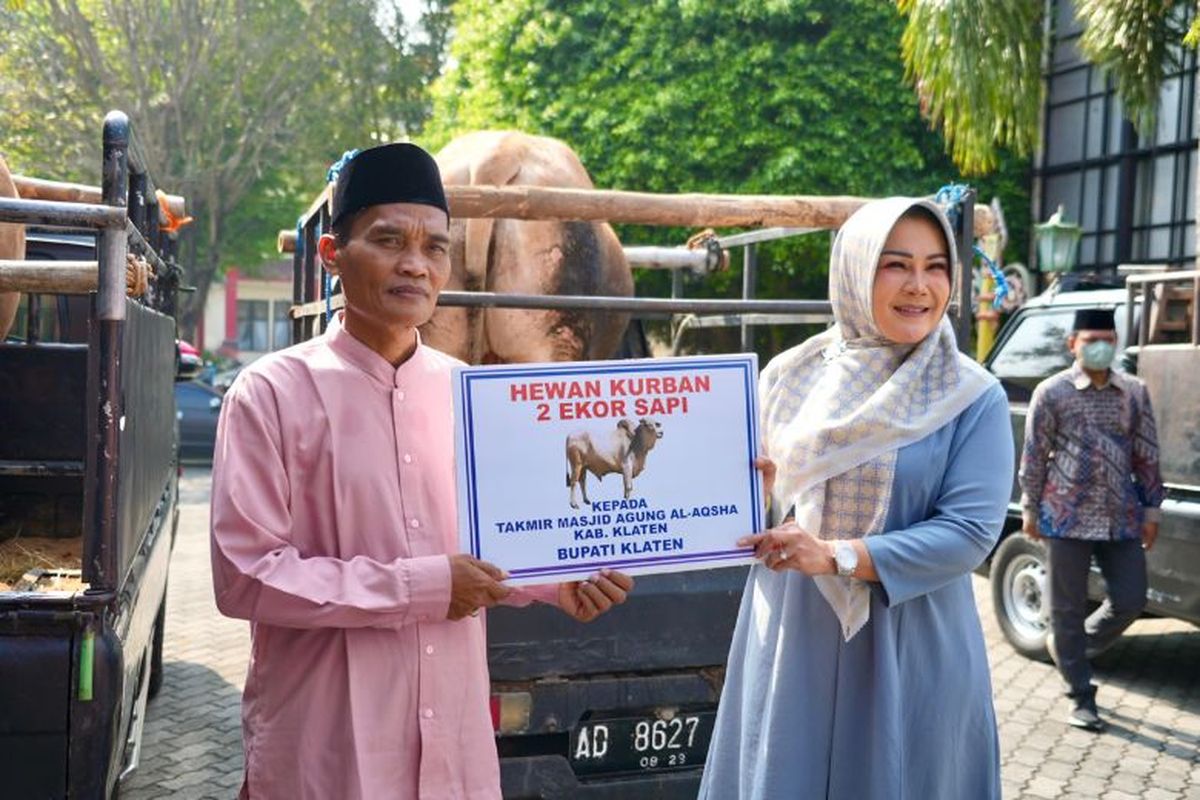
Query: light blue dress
902	711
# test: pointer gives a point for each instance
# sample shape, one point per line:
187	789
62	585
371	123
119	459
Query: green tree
240	104
746	96
977	66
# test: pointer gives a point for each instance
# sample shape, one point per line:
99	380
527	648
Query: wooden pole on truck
645	208
38	189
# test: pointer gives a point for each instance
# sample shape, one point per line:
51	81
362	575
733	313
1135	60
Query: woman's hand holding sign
788	546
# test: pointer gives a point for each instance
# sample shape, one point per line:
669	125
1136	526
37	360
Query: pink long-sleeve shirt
333	514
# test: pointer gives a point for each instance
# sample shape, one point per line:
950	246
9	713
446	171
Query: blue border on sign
466	379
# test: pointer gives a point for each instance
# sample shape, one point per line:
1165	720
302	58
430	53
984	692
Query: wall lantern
1057	243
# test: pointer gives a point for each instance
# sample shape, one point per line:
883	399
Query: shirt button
399	395
414	523
407	458
428	713
428	649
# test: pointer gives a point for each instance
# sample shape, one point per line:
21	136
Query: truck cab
1156	342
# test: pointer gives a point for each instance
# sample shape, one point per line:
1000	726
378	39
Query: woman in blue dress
858	668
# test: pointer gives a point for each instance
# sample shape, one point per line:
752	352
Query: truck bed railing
1168	306
126	337
791	216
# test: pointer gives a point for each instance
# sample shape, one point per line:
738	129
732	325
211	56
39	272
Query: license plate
647	743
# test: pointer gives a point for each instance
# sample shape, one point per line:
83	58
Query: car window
1037	348
193	397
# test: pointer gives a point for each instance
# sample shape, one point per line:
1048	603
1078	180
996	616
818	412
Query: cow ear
626	425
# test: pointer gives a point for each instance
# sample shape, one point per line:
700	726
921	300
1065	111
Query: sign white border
470	417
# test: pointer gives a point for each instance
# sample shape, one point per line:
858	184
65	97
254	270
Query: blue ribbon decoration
950	198
336	167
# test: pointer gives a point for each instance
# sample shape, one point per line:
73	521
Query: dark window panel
1162	205
1066	54
1139	247
1190	189
1095	128
1160	244
1111	201
252	325
1167	124
1065	134
1115	120
1189	241
1108	248
1188	124
1069	85
281	325
1090	218
1087	251
1065	23
1063	190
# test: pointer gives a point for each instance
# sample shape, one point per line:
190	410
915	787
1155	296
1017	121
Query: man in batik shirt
1091	486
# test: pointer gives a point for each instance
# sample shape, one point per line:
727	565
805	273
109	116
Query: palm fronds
1137	42
976	67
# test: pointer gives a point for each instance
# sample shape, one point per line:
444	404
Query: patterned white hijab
837	408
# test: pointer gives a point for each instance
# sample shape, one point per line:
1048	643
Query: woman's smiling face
912	281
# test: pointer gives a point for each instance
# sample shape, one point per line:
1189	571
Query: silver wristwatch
846	559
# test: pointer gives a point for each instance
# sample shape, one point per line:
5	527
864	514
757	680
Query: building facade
1134	195
246	316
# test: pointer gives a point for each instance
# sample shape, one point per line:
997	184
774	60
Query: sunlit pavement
1149	693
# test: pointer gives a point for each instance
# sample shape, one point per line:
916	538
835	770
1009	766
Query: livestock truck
88	480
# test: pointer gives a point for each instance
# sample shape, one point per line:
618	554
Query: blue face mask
1097	355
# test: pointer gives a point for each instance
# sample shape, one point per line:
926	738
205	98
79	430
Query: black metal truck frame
88	450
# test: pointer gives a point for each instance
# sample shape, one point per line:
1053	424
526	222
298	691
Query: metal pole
671	258
308	287
965	235
137	206
1196	311
109	327
33	324
749	280
68	215
636	305
323	220
297	294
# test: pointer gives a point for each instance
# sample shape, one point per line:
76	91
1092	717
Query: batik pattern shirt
1090	469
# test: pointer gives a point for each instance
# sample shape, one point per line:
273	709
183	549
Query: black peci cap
1094	319
390	173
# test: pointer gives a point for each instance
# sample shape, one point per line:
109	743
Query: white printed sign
640	466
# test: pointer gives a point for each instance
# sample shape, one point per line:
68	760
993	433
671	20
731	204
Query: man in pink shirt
334	527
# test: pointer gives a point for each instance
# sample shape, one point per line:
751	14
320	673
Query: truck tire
156	650
1020	595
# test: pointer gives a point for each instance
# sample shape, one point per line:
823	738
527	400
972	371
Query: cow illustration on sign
624	451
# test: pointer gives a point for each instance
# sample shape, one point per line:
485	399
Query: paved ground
1150	693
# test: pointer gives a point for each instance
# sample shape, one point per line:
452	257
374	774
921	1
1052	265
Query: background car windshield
1037	348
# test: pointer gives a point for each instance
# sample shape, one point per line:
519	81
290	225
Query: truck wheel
156	650
1021	596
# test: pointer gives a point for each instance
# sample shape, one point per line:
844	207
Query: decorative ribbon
950	197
